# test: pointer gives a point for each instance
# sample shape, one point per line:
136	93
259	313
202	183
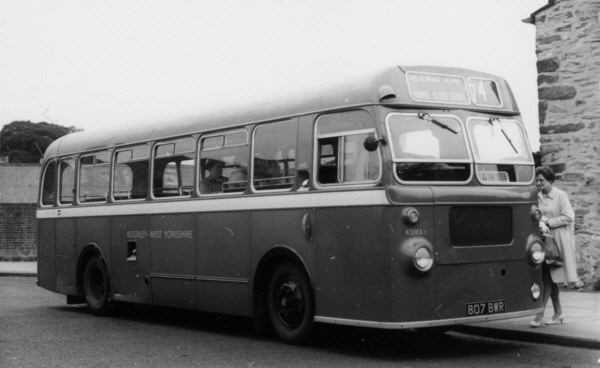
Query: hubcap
289	303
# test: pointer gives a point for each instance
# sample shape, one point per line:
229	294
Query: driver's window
341	157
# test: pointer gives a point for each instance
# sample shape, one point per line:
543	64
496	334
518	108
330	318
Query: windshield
498	140
501	152
429	147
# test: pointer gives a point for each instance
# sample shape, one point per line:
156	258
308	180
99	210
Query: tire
96	286
290	303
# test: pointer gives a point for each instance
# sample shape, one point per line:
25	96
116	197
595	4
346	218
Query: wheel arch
89	251
263	271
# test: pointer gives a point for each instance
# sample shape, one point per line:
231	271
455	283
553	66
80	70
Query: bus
402	198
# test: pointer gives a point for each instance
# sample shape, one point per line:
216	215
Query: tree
26	142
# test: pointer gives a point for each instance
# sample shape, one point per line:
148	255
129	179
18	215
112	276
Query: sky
108	64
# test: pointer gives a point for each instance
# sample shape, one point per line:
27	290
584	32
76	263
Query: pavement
581	327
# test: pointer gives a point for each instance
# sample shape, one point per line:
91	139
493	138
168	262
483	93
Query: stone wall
568	53
18	225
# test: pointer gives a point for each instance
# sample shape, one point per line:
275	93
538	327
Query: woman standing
557	218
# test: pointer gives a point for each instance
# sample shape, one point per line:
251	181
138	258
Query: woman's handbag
553	256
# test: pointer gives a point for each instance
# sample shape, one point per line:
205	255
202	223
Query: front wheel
290	303
96	287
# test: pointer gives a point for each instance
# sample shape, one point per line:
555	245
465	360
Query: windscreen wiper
491	121
425	116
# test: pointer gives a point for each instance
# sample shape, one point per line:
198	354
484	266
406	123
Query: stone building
18	225
568	54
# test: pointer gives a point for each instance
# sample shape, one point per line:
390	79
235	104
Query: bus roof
401	86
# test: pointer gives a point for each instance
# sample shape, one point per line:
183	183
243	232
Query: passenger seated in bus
266	173
213	183
237	179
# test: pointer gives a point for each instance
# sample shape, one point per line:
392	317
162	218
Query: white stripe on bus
223	204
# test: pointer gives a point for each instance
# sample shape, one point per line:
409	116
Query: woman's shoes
536	324
557	320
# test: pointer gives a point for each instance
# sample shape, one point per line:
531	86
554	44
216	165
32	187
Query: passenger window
224	163
174	164
131	174
67	181
341	156
94	173
275	156
49	185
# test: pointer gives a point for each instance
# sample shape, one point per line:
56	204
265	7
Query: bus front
463	199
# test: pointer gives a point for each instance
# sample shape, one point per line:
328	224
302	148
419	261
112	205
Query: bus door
351	235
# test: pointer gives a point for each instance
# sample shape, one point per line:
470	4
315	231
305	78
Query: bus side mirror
371	143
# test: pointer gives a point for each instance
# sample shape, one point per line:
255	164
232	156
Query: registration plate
483	308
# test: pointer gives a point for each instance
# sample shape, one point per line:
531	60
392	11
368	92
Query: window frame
153	154
53	195
477	162
200	158
79	171
395	161
253	189
60	181
114	164
342	134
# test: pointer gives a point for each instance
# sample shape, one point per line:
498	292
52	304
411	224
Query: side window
274	151
67	181
174	169
130	177
49	185
94	173
224	162
340	155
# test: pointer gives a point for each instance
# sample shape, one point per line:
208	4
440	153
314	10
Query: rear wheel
96	286
290	304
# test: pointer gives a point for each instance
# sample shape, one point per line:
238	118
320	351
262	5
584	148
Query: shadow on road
350	341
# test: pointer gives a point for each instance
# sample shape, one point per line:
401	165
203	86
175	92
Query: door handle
306	226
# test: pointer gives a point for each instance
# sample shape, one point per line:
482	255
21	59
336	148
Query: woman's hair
546	172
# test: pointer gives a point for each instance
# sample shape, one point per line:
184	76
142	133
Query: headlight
422	258
536	252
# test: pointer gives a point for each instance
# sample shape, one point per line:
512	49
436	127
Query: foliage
26	142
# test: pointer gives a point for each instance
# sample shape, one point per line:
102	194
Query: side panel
223	261
172	260
353	263
46	267
130	258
